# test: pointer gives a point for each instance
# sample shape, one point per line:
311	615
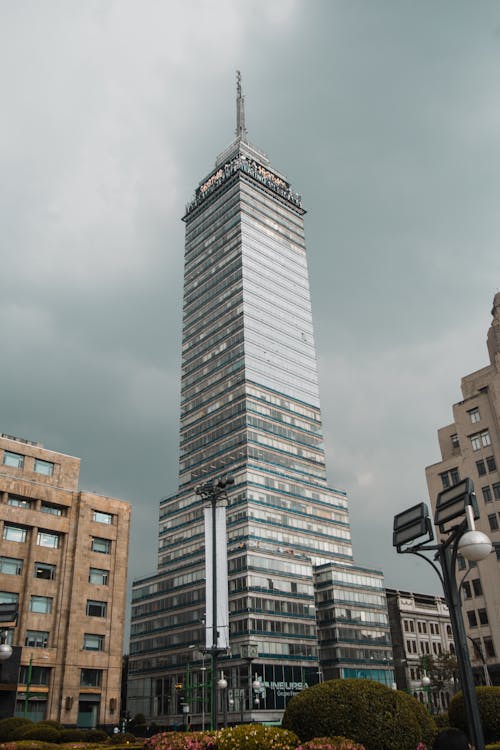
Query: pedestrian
451	739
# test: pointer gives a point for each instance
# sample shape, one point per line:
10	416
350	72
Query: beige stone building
63	561
421	635
470	447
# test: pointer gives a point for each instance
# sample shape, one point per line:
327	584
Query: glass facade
249	407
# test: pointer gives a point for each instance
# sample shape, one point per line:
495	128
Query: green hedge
369	713
488	699
9	726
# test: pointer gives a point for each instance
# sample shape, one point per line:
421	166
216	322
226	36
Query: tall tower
470	447
249	407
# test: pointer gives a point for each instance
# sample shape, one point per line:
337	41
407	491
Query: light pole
222	685
215	495
452	504
5	648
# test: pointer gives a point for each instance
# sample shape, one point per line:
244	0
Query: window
15	460
467	590
96	609
471	616
474	415
55	510
496	490
14	533
475	442
483	616
487	496
90	677
41	604
101	545
493	522
100	517
476	585
489	647
36	638
491	463
461	562
481	468
45	571
497	550
98	576
35	675
11	566
449	478
44	467
19	502
8	597
455	443
47	539
485	438
93	642
445	481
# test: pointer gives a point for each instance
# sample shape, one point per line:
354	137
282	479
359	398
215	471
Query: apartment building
421	636
470	447
63	564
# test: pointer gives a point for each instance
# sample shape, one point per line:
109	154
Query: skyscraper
470	447
249	407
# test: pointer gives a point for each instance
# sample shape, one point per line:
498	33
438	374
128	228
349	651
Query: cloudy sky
385	116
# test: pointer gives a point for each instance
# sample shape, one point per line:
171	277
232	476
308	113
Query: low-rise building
63	563
422	644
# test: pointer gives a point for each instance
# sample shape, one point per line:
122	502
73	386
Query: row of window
491	492
472	588
51	539
16	460
40	639
477	618
43	604
41	676
409	627
483	465
480	440
450	478
56	510
47	571
425	647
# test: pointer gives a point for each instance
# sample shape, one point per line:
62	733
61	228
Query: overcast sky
385	116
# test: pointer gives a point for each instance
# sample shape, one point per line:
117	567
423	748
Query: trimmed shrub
39	732
51	723
330	743
72	735
368	712
9	726
181	741
488	699
442	720
255	737
122	738
98	735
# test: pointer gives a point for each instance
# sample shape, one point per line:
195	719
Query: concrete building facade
470	447
63	563
421	636
250	407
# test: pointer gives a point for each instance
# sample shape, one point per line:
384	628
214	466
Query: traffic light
179	692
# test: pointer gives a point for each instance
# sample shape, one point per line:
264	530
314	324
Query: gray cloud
385	116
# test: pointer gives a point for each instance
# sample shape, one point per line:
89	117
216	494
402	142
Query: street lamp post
214	494
414	524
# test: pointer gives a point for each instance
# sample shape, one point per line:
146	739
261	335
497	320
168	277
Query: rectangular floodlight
412	524
451	503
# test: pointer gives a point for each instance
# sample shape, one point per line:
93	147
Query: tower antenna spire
241	130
